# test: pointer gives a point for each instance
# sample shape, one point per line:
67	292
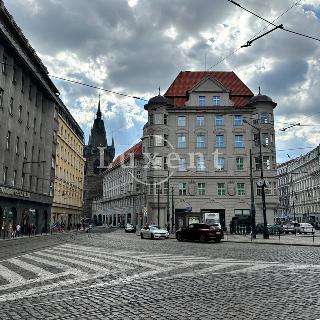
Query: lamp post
158	192
261	183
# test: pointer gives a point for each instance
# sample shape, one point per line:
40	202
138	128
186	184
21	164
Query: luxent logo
152	165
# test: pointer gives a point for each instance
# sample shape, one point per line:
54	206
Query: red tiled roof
186	80
136	150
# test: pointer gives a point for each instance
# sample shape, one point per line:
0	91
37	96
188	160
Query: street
114	275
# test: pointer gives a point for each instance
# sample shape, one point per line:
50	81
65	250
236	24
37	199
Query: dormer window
216	100
202	101
157	118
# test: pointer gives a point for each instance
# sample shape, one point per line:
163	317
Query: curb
275	243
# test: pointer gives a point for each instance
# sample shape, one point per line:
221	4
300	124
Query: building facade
28	131
196	148
124	191
98	155
67	204
302	179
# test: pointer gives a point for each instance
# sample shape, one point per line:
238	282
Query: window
219	120
201	141
25	150
151	119
216	100
14	75
238	141
22	179
158	140
5	175
181	121
157	164
22	83
266	162
151	190
1	97
17	145
239	163
11	106
157	118
220	141
182	164
28	119
34	125
182	189
265	139
37	98
139	174
200	121
8	140
264	117
202	101
220	163
53	161
237	121
30	91
4	64
200	163
158	189
258	163
14	178
165	119
165	163
241	189
20	113
221	189
201	189
182	141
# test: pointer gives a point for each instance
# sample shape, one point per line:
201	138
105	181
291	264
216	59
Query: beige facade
69	168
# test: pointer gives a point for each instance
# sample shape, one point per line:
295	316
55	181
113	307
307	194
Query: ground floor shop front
31	216
66	215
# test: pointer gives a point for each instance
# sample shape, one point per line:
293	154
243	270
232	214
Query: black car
130	228
200	231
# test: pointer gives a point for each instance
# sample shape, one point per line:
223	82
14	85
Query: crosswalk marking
41	273
79	263
10	276
65	258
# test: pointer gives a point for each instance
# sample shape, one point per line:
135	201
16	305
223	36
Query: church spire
99	111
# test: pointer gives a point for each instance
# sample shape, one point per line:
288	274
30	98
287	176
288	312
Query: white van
304	228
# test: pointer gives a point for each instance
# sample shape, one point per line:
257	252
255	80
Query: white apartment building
198	144
302	198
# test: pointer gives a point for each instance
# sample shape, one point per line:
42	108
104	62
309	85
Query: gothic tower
93	179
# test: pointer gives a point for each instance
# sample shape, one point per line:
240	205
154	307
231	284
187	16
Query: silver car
152	231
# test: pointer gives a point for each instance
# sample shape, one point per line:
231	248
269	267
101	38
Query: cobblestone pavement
120	276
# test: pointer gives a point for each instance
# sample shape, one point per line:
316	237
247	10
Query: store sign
14	192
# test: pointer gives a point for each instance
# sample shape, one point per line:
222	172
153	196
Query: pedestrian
18	230
10	231
14	230
34	229
29	229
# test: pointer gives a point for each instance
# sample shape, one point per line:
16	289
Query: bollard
312	236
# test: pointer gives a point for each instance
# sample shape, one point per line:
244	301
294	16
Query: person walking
18	230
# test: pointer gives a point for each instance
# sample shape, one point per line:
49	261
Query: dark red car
200	231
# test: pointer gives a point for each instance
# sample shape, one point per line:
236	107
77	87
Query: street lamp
261	183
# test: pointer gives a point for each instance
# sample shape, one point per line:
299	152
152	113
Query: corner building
28	131
197	137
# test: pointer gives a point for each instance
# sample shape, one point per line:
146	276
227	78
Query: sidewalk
290	240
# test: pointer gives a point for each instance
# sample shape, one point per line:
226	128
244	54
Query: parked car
130	228
200	231
304	228
289	227
153	231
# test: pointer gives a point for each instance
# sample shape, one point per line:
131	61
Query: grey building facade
28	126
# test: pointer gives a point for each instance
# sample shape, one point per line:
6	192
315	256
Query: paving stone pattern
120	276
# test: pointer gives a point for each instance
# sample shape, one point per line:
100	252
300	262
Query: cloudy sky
135	46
